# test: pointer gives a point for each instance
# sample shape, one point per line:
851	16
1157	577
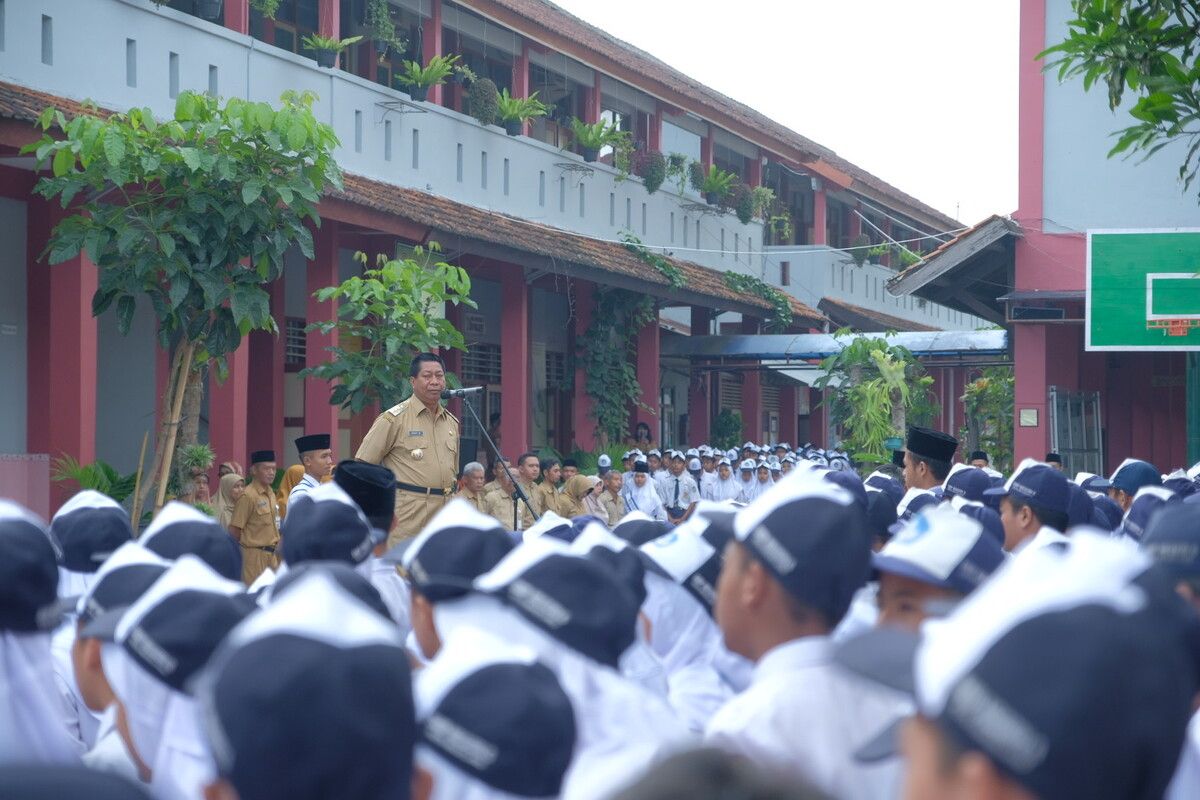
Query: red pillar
228	418
648	350
787	415
264	425
583	426
319	415
706	149
591	102
654	143
453	357
754	172
700	386
237	15
431	43
1030	393
62	336
515	374
751	391
817	419
856	224
820	226
520	76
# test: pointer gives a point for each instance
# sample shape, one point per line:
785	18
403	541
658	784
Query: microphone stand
518	495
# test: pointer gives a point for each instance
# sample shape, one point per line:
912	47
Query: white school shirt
1045	537
1186	783
306	485
806	716
688	491
109	754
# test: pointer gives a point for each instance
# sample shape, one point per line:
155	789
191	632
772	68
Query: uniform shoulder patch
395	410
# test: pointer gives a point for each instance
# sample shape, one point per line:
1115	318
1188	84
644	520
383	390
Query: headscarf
225	500
291	476
573	493
32	727
727	489
591	501
644	499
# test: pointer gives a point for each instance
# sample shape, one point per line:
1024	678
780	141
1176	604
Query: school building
537	227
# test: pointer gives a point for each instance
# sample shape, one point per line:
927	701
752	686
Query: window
295	346
679	140
556	370
481	364
294	19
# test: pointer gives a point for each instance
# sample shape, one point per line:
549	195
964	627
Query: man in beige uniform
470	485
498	504
418	441
255	522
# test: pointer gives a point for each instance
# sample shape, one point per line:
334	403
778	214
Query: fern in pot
514	112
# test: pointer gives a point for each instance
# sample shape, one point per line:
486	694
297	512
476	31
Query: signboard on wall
1143	290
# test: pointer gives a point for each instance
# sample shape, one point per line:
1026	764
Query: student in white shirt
782	590
317	458
1033	507
640	495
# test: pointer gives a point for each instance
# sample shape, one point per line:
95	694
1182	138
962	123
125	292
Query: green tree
386	317
881	388
607	352
192	214
1146	47
988	403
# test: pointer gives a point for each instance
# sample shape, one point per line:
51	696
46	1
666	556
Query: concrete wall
13	327
1082	187
125	389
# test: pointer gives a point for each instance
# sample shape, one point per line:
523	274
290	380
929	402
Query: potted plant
716	185
516	111
651	167
741	199
419	79
464	75
328	48
484	101
383	30
591	139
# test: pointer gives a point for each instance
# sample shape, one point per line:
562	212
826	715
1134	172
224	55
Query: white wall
1082	187
13	327
125	389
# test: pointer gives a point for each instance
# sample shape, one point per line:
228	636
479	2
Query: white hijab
727	489
643	498
32	716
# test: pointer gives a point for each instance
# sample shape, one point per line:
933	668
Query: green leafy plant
192	215
762	202
329	44
383	29
607	352
434	73
988	403
678	171
662	265
780	224
1148	48
727	429
781	305
695	173
268	8
651	167
484	101
741	199
516	111
195	458
589	460
99	476
205	508
595	137
881	389
395	311
717	184
860	249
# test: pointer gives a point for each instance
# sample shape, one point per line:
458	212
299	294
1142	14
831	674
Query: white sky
922	93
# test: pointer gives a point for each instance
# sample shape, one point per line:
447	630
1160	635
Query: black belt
408	487
266	548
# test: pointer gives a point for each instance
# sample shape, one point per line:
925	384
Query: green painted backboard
1143	290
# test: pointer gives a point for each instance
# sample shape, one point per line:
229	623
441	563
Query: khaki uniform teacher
418	441
255	522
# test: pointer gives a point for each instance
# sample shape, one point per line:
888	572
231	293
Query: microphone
450	394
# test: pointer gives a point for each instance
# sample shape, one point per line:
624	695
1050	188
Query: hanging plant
383	30
651	167
664	267
781	305
418	79
741	198
860	249
607	352
267	8
484	101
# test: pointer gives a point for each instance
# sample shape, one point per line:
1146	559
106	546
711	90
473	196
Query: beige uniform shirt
421	449
257	515
498	505
545	498
613	506
472	498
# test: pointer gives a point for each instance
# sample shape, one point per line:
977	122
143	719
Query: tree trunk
189	425
176	391
899	413
150	476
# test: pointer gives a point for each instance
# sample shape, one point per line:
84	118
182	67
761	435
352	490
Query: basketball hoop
1174	326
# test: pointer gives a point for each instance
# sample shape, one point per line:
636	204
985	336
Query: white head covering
728	488
163	722
642	498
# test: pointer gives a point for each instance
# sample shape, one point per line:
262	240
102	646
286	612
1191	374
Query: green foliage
678	171
717	183
781	305
988	402
596	136
328	43
205	508
662	265
484	101
383	29
741	198
194	214
607	353
1150	48
432	74
881	388
464	74
903	256
195	458
267	8
727	429
98	475
519	109
860	249
395	311
651	167
588	460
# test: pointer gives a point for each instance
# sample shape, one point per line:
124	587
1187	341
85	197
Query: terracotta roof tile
848	313
23	103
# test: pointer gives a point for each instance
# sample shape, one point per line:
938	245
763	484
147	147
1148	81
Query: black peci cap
931	444
372	487
261	456
313	441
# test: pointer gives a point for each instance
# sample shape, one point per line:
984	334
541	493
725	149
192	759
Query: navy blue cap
1110	511
691	554
331	711
880	482
57	781
821	562
324	524
639	530
505	723
1039	484
881	514
849	481
346	576
967	482
372	487
1080	507
457	546
89	528
1172	539
1181	485
120	581
180	529
1130	476
28	572
913	501
985	516
992	501
943	548
557	591
1147	503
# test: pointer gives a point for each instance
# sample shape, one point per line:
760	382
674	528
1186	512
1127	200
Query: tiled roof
443	214
544	15
440	213
866	318
929	257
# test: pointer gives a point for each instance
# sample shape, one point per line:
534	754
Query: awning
814	346
967	273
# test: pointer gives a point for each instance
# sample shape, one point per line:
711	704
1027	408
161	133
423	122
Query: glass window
678	140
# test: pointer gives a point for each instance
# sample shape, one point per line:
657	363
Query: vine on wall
607	353
672	273
781	306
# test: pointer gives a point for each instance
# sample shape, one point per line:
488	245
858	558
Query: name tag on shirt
416	433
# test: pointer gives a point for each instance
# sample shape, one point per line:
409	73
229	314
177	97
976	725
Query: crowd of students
933	630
